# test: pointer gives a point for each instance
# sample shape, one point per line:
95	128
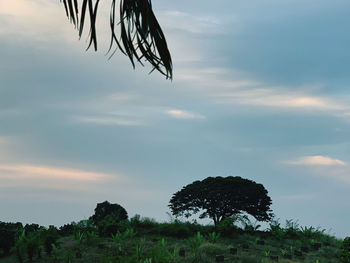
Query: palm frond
136	32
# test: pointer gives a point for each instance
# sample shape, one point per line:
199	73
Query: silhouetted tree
222	197
115	211
135	30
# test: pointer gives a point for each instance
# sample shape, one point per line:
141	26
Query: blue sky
260	90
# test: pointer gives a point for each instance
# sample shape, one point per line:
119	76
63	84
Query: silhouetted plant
135	32
50	237
222	197
66	229
227	227
20	247
345	251
115	211
32	242
276	230
292	229
9	233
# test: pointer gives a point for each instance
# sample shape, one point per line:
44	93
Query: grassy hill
142	240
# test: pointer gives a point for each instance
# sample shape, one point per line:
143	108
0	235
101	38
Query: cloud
108	121
278	98
34	20
48	173
233	87
323	166
184	115
317	160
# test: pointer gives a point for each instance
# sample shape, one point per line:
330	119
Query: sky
260	90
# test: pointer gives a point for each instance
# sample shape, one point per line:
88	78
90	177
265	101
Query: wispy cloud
278	98
317	160
233	87
323	166
184	115
15	15
39	172
108	121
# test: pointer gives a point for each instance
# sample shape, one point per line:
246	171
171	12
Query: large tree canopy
135	30
222	197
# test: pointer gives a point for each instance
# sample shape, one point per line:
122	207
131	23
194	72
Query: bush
50	237
179	230
20	247
107	226
32	244
345	251
144	225
66	230
227	227
30	228
115	211
9	233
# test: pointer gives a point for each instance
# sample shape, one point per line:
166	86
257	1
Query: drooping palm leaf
136	32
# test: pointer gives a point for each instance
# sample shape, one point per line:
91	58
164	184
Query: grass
146	241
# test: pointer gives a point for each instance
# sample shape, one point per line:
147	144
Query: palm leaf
136	33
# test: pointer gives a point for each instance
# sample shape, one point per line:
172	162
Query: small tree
222	197
115	211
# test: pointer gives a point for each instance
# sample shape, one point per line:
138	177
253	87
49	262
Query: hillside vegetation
143	240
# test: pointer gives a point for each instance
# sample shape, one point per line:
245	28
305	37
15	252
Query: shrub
8	234
32	243
177	229
115	211
227	227
20	247
30	228
160	254
345	251
50	237
107	226
66	230
276	230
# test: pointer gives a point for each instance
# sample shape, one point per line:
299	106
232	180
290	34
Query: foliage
8	235
140	38
227	227
107	226
248	225
66	229
213	237
129	247
345	251
222	197
115	211
194	244
276	229
160	254
292	229
20	247
30	228
32	243
176	229
50	237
